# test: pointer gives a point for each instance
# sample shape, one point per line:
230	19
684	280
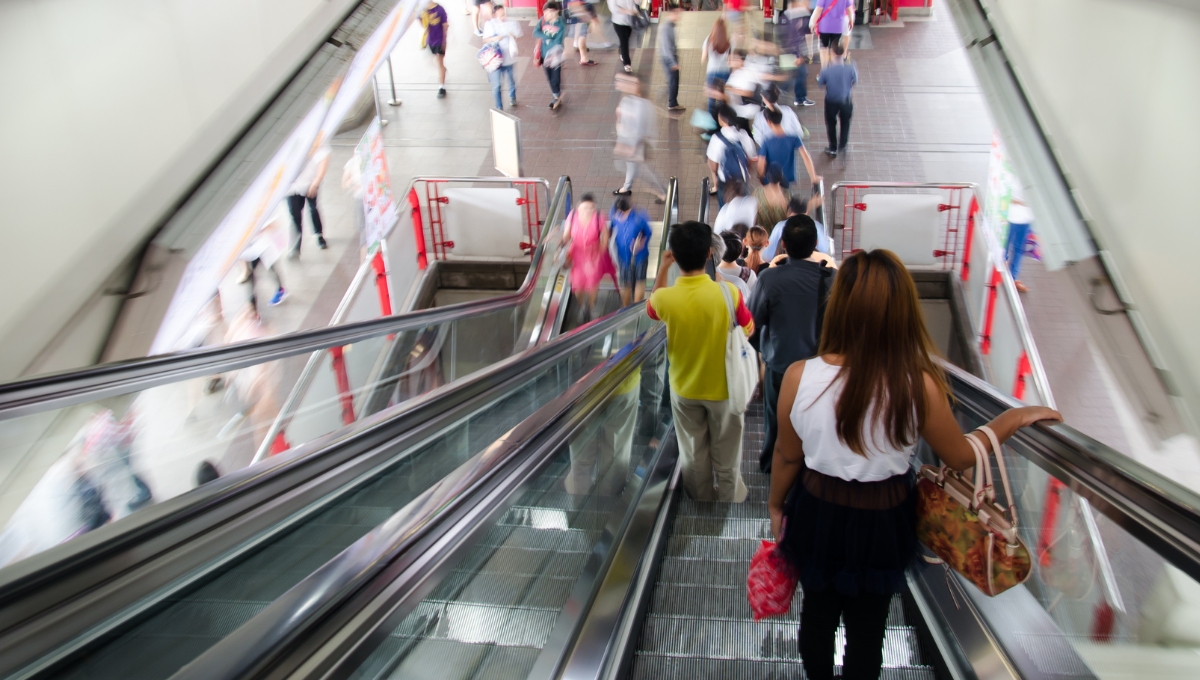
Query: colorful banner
379	206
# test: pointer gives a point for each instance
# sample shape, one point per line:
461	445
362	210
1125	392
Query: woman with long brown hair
714	54
841	482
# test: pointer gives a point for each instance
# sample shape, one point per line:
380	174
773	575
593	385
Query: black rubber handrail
57	390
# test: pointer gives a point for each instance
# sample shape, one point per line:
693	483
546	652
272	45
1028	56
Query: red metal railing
428	220
959	223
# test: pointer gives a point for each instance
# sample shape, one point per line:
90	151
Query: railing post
381	283
338	360
414	203
971	216
985	342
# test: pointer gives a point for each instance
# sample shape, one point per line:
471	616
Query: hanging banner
379	206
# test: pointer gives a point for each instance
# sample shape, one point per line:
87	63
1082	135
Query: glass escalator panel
493	614
188	622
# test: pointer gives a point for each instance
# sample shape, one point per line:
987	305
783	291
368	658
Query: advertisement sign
379	206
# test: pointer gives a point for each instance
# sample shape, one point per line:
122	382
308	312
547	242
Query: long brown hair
718	38
756	239
874	321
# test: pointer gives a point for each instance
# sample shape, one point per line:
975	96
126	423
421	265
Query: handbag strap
728	304
999	451
981	467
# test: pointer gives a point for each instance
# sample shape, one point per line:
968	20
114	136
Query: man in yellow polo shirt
697	318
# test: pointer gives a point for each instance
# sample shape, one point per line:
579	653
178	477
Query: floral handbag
962	524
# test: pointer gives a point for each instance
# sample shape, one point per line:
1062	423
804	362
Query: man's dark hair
799	237
726	113
774	116
690	242
771	94
552	5
741	53
733	246
797	205
740	229
587	198
838	49
206	472
622	204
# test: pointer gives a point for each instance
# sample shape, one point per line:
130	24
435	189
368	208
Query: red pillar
414	202
343	384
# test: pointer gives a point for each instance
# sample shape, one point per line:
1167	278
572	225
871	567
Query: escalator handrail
1154	509
273	631
23	581
58	390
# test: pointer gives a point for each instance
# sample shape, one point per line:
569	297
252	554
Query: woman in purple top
832	18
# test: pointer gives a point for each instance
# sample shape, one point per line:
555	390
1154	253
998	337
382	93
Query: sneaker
831	153
321	243
479	33
556	103
628	68
804	102
600	46
589	62
441	92
512	103
676	109
279	296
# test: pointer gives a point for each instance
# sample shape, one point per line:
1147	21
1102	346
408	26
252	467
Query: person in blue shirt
781	148
631	232
839	79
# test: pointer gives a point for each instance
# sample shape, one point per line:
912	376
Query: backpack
734	164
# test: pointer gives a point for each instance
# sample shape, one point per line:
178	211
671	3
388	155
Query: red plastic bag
771	584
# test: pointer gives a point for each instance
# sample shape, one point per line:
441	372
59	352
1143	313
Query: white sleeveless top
816	424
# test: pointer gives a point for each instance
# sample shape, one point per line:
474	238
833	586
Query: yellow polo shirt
697	326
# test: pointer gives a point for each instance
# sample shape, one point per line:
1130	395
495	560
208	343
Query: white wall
110	110
1116	86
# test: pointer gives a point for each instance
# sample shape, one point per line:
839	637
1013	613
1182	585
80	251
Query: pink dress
590	260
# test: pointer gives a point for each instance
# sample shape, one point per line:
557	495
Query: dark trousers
865	617
800	84
672	85
296	206
623	33
772	381
835	111
554	75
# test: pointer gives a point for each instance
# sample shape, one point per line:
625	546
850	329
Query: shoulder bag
741	362
962	524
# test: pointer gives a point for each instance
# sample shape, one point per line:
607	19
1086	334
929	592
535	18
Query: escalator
218	554
568	550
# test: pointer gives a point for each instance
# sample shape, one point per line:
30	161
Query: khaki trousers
710	446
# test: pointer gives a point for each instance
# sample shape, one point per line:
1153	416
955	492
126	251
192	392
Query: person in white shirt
503	32
303	190
623	12
791	123
635	128
739	208
731	153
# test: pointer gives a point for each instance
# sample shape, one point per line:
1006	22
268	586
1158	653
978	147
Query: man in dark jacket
788	304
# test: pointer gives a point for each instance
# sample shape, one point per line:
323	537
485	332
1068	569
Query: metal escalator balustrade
86	448
157	635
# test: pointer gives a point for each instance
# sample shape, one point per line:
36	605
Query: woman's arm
945	437
788	458
813	177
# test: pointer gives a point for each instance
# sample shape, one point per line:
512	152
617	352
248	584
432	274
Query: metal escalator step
723	527
554	518
510	560
710	548
450	660
478	623
529	590
571	540
772	639
717	602
656	667
690	508
684	572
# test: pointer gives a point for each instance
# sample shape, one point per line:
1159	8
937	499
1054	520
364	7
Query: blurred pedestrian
436	22
623	13
742	277
304	190
755	241
503	33
635	127
839	79
761	130
1020	224
740	207
586	240
631	234
781	148
798	205
580	15
772	197
552	31
797	40
480	11
833	19
714	54
730	152
668	54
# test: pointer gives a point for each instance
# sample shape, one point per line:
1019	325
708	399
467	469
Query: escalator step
720	527
708	548
716	602
685	572
510	560
572	540
690	508
528	590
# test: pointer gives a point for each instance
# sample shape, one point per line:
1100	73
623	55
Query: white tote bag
741	362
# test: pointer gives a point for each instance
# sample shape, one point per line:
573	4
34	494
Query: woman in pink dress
586	240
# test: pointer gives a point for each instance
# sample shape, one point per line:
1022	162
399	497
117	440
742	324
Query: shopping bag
771	584
963	526
703	119
741	361
490	57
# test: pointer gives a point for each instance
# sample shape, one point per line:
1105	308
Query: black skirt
852	537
